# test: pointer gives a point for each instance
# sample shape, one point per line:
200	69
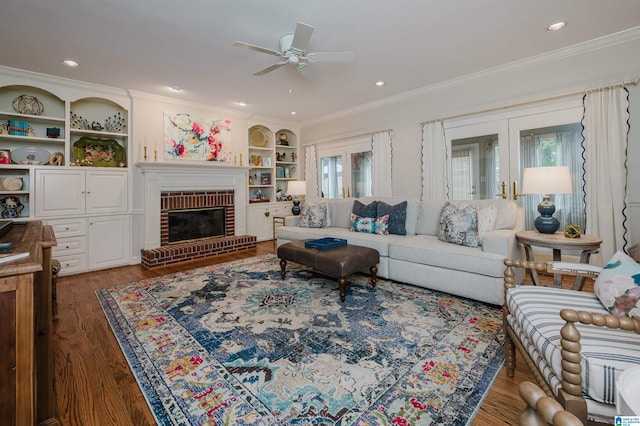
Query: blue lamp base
546	223
296	207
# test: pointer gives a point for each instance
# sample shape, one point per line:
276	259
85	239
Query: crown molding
46	80
187	104
603	42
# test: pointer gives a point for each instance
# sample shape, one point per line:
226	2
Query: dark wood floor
96	387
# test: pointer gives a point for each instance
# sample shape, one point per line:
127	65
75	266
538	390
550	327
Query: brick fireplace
172	187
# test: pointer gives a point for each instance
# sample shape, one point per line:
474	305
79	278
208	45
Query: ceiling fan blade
271	68
330	57
301	36
256	48
308	73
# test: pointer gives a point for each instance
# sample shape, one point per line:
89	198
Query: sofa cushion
365	210
397	216
459	226
618	285
340	212
428	250
535	314
374	241
314	214
429	217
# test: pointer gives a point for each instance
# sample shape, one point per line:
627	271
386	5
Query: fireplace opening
195	224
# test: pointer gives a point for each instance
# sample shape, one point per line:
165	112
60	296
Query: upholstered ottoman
338	262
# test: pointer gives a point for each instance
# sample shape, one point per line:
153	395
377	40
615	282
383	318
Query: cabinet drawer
72	264
70	245
69	227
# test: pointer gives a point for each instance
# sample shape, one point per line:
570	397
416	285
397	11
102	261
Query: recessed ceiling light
292	113
70	63
556	26
176	88
379	83
242	103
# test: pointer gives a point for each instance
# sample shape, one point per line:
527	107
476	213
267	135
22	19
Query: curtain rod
632	82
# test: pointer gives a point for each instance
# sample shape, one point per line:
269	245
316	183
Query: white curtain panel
434	161
382	148
605	140
311	170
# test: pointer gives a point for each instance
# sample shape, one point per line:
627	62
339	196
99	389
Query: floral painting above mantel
187	137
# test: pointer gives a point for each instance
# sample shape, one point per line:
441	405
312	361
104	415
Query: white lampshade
547	180
297	187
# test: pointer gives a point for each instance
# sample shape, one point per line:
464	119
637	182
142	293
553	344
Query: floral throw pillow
371	225
314	215
459	226
618	286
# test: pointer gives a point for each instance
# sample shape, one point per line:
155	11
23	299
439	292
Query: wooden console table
558	242
27	394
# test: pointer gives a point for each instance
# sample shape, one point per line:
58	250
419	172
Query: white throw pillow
486	221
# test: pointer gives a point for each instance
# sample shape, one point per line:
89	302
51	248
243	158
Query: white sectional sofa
419	257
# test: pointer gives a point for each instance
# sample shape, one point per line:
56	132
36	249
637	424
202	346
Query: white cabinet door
106	192
109	241
257	222
72	192
60	192
261	224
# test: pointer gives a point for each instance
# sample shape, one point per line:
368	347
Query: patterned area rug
233	344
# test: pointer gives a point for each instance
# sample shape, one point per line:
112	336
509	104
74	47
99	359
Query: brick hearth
188	250
180	252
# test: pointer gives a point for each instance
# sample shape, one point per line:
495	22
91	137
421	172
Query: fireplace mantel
159	177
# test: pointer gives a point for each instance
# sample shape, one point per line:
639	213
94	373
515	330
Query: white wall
606	61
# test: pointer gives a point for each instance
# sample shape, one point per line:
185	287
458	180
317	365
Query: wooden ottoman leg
342	281
283	267
374	275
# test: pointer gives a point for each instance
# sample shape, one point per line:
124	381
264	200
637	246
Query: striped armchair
572	345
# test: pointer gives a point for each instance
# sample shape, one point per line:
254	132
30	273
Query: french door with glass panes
346	170
487	156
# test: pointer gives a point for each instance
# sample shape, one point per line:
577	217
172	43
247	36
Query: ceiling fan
293	50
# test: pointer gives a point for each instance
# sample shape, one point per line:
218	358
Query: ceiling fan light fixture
556	26
71	63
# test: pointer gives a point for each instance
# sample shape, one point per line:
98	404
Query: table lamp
296	188
546	180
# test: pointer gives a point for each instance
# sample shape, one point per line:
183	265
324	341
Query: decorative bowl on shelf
30	155
257	138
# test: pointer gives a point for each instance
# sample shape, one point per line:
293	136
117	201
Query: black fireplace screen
194	224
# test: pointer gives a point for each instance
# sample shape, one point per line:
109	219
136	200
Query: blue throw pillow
397	216
370	210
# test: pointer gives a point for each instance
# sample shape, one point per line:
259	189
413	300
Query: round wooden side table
558	242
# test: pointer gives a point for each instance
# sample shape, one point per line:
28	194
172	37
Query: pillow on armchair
618	286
